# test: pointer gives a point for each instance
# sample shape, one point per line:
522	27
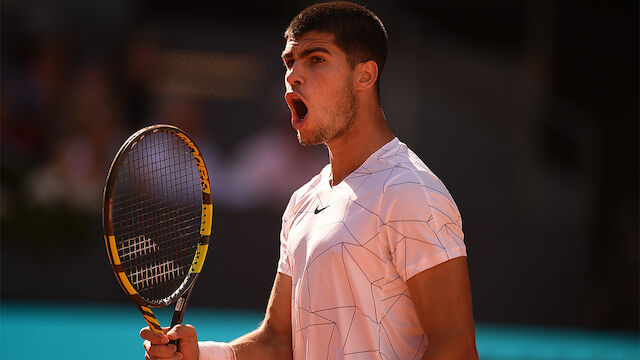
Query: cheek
329	88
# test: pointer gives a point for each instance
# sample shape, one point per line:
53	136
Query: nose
293	76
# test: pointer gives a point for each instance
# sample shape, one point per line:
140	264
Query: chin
309	140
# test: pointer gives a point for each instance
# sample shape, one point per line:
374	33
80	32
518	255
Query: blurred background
526	109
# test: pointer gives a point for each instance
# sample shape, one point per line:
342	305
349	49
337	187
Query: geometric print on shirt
350	249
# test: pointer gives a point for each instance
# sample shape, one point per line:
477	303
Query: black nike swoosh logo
317	210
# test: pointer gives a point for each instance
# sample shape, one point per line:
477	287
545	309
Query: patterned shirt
350	249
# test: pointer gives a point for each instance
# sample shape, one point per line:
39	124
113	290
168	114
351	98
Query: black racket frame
181	296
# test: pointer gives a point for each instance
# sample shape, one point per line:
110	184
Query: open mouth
299	109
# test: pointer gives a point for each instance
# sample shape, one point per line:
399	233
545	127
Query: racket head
157	215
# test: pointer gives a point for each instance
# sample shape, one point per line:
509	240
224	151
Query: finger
188	340
176	356
154	337
161	351
186	333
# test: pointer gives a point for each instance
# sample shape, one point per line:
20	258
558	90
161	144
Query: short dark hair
356	30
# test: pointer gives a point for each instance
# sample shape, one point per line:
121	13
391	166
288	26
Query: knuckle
188	330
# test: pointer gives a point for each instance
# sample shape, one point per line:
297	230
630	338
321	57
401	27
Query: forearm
272	340
442	296
263	343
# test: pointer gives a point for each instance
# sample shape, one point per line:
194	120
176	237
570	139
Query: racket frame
181	295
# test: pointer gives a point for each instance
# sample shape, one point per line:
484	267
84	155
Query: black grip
178	313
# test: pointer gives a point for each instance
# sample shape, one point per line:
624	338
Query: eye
316	59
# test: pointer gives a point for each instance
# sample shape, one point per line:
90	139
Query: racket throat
178	311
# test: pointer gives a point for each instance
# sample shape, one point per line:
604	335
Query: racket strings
136	246
156	214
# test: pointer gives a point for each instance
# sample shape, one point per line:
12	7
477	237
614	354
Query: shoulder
418	218
404	171
412	188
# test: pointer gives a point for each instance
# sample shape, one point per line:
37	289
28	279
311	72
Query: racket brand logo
204	176
156	274
136	246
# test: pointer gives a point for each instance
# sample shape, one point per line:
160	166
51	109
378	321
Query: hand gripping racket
157	219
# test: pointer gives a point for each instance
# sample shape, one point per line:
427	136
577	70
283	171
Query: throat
347	157
340	171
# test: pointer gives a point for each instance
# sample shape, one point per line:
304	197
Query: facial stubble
342	119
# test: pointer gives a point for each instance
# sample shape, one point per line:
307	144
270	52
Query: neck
368	133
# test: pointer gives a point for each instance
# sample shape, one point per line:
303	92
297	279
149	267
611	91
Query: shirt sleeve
422	226
284	263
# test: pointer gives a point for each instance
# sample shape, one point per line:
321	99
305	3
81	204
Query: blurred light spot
218	76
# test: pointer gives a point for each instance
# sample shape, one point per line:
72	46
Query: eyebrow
307	52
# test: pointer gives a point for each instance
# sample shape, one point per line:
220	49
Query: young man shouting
372	262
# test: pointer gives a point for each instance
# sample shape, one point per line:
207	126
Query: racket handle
178	312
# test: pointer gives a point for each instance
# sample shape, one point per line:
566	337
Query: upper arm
421	224
442	298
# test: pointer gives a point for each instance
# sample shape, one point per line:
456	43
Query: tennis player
372	262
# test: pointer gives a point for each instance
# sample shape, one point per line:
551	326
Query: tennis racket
157	219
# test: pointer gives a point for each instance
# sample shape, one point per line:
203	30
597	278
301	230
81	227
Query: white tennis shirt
350	249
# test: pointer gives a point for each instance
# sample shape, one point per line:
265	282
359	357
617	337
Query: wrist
213	350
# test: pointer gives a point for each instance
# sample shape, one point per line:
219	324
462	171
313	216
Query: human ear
366	74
